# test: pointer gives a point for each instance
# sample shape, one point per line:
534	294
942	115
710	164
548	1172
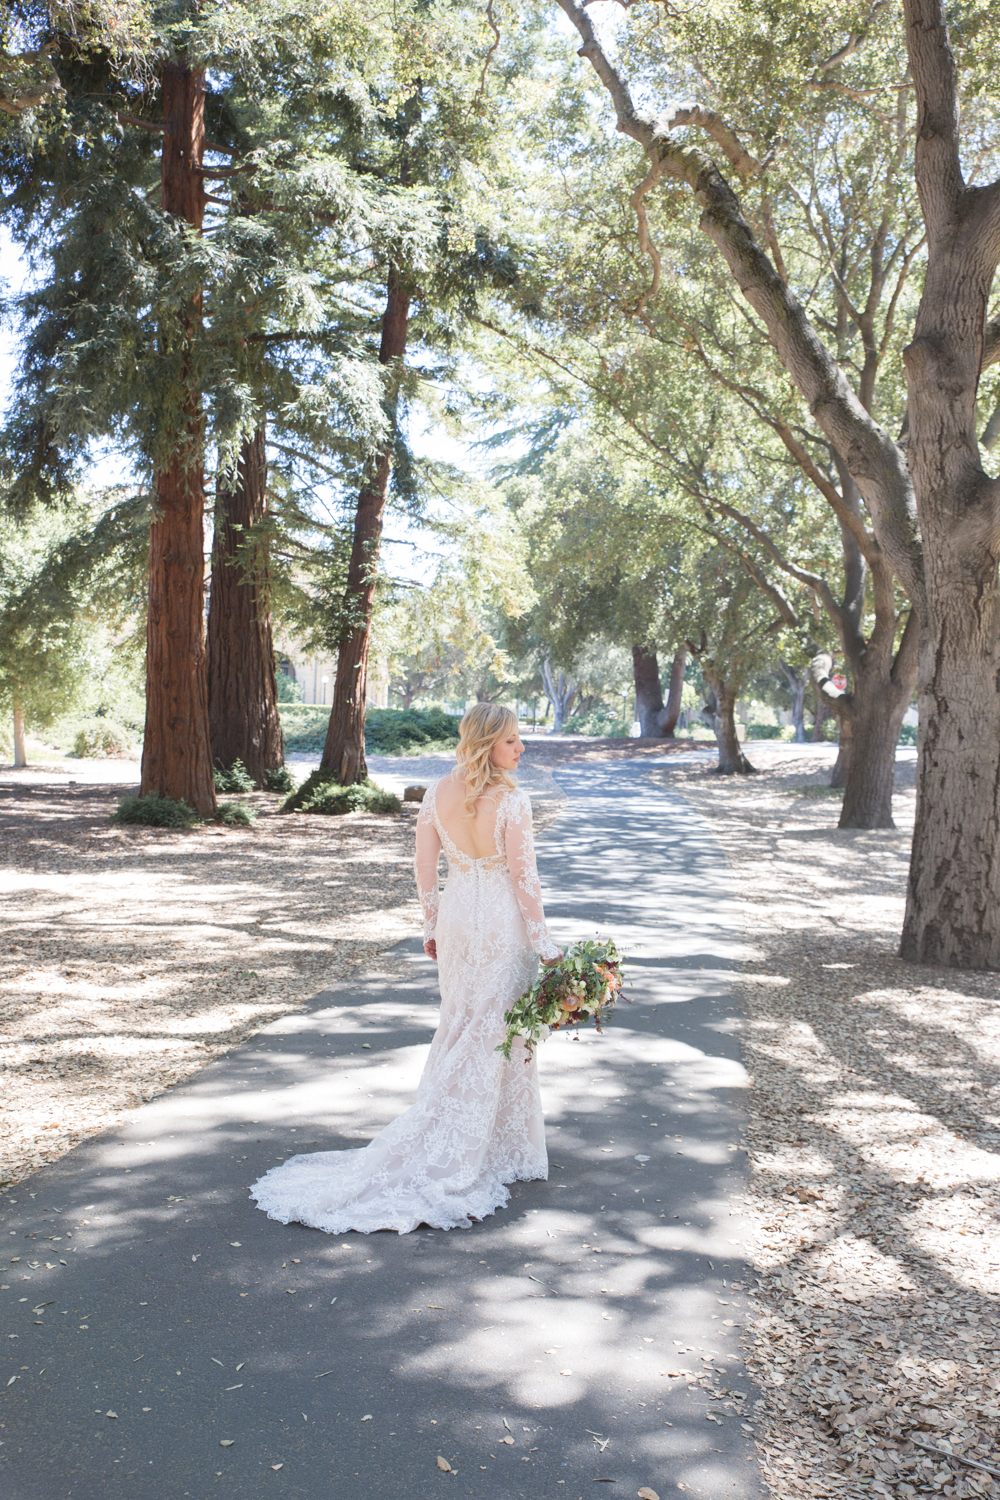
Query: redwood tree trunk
242	687
344	750
676	688
176	758
648	694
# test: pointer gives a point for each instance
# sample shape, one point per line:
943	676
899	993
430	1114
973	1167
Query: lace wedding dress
477	1122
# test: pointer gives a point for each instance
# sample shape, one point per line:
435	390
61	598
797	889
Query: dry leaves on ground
874	1136
132	955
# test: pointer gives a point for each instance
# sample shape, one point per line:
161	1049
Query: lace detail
476	1125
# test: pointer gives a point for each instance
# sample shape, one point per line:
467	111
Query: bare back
475	836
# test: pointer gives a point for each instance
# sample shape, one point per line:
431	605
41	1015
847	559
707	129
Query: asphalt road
165	1340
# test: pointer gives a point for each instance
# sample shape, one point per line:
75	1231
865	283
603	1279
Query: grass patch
154	811
321	793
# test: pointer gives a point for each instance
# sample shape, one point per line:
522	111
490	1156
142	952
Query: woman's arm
519	846
425	865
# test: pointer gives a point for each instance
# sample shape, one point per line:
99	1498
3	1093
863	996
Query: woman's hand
548	962
431	949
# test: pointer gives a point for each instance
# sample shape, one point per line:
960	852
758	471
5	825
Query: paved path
168	1341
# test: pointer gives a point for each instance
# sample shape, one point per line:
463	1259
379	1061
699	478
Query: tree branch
938	166
876	462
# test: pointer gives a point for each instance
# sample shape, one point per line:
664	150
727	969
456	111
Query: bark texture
657	720
720	710
674	691
176	758
344	749
953	905
242	686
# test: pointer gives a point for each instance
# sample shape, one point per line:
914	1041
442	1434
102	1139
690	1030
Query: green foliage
321	793
236	814
304	727
289	691
99	738
154	811
393	731
235	778
769	732
280	779
599	720
908	734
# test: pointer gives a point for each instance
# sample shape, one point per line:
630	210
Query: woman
477	1123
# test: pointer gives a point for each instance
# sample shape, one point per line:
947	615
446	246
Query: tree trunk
176	758
721	713
344	750
648	694
676	688
560	692
242	687
20	752
797	683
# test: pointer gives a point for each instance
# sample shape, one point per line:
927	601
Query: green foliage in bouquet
581	987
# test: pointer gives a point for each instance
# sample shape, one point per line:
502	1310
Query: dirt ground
875	1148
132	956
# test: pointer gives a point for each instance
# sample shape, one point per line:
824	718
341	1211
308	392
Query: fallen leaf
443	1464
565	1372
226	1442
506	1440
111	1414
216	1361
641	1158
276	1467
647	1494
240	1366
367	1418
238	1246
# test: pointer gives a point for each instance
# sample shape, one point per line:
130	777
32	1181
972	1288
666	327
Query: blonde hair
481	727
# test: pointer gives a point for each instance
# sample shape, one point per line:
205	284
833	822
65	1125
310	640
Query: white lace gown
476	1125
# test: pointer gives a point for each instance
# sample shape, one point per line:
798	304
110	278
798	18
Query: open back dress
476	1125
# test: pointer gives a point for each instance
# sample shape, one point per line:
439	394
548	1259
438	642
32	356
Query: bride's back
475	836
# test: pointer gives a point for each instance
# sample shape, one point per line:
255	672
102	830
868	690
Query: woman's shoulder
513	801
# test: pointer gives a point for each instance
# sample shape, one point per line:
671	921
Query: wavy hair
481	727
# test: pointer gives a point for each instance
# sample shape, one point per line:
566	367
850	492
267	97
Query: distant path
281	1362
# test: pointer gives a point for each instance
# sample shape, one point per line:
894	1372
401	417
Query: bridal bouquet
581	987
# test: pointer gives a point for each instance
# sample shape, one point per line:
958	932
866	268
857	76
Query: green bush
279	780
154	811
388	731
908	734
766	731
96	739
601	720
289	691
394	731
236	779
321	793
236	814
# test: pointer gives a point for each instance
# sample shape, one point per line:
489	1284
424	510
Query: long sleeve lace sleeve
519	845
425	864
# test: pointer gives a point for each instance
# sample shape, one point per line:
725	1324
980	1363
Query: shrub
321	793
95	739
394	731
279	780
908	734
600	720
154	811
236	814
236	779
765	732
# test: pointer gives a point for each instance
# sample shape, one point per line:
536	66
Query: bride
477	1122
